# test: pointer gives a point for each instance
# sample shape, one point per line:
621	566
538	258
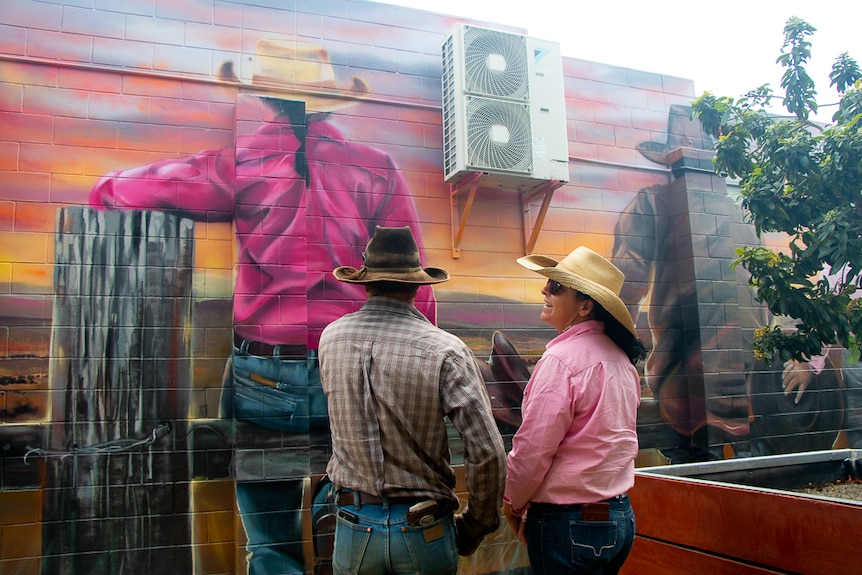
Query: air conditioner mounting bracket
470	184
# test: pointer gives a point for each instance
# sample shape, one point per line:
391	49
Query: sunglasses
554	287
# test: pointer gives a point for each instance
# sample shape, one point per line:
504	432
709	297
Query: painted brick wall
98	93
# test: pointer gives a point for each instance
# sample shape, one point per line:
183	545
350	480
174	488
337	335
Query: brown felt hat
391	256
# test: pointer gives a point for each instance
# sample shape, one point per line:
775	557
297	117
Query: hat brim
424	276
321	100
612	303
317	99
654	152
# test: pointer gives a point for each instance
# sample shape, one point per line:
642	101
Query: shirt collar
592	325
391	305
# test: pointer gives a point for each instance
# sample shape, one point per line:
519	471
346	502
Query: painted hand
797	377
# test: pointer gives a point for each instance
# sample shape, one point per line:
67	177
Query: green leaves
803	180
845	72
714	113
799	98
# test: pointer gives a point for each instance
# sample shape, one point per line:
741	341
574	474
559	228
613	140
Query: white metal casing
503	109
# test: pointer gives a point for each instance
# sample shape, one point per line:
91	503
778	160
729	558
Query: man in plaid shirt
391	380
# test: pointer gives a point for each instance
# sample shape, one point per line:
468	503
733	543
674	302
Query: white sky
725	46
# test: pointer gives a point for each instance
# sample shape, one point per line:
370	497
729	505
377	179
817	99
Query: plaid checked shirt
391	379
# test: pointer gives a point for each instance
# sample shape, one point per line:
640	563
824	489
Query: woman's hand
516	521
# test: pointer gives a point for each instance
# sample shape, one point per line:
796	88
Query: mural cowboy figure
646	248
301	199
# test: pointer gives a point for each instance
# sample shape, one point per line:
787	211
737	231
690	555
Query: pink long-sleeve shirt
290	236
578	440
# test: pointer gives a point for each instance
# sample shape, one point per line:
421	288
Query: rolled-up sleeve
469	408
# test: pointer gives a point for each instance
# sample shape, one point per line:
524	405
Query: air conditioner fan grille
495	64
499	135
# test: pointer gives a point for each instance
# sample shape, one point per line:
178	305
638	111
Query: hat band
402	270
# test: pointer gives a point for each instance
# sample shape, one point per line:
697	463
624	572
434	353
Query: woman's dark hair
625	340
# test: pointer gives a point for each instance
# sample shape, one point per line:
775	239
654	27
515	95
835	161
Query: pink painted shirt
578	440
290	235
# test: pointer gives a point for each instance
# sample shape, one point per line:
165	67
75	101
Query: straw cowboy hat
303	68
392	256
587	272
682	132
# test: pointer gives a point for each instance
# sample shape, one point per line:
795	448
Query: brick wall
88	91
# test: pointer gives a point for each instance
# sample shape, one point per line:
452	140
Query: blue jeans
281	437
559	542
291	400
271	514
380	541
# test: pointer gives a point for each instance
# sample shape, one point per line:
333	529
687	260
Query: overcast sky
725	46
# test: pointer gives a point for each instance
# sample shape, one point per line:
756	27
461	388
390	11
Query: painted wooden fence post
117	481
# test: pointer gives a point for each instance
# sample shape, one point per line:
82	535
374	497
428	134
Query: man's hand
797	377
468	534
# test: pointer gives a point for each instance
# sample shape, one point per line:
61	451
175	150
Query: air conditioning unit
504	113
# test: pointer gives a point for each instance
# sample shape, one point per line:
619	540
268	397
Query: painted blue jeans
280	414
559	542
377	540
281	394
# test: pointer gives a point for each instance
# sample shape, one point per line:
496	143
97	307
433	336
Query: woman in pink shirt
572	459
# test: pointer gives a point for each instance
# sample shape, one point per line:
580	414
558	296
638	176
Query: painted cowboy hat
392	256
587	272
304	68
682	132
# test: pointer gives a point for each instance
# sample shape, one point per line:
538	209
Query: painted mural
743	411
178	182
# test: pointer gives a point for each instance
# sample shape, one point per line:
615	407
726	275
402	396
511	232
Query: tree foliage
803	179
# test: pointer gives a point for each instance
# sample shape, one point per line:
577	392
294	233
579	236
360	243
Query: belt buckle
423	513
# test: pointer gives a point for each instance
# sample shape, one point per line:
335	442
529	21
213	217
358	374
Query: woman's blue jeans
376	539
560	542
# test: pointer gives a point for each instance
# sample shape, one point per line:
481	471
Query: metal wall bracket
546	191
470	184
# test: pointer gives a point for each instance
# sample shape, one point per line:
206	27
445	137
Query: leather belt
618	498
359	498
259	348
